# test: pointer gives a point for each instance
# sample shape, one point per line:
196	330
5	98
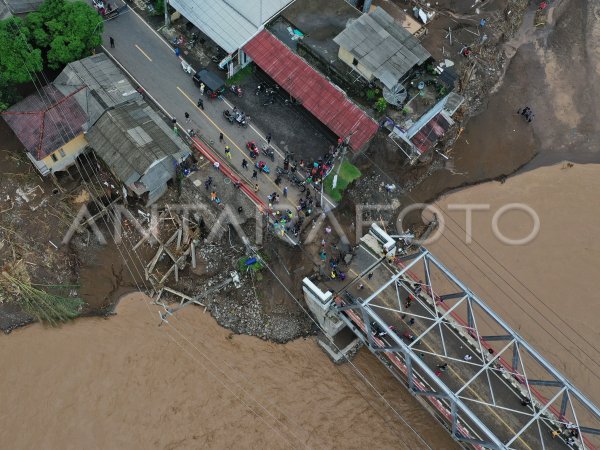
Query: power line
338	349
63	133
503	279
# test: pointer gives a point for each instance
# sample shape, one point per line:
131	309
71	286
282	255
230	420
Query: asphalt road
152	63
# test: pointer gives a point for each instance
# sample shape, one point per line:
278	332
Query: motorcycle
177	41
262	166
192	42
281	171
260	88
186	67
269	101
298	182
268	152
99	5
251	145
242	119
236	89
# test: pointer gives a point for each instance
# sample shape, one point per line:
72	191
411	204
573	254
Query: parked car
214	85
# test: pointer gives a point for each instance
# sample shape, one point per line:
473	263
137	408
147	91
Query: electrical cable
63	133
505	281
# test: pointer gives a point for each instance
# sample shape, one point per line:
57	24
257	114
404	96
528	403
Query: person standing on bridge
256	186
187	117
112	42
228	151
244	164
220	137
255	174
269	138
417	289
555	434
200	104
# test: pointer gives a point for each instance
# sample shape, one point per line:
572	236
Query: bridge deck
482	382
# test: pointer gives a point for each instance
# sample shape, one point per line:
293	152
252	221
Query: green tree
380	105
65	31
8	94
18	61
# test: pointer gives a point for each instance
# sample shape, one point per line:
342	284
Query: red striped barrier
229	173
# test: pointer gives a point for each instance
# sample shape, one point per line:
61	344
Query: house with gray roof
51	124
139	148
378	47
5	12
19	7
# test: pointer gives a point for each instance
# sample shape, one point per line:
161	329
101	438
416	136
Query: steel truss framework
484	381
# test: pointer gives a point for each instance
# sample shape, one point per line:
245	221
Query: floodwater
546	289
125	382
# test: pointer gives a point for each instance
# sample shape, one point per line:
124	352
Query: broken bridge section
315	93
467	366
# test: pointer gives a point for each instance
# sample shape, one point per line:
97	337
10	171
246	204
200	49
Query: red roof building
433	131
325	101
45	121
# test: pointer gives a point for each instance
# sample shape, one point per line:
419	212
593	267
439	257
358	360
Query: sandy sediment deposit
125	382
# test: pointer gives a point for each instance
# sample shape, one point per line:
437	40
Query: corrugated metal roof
23	6
137	146
46	120
324	100
383	46
230	23
106	85
4	10
433	130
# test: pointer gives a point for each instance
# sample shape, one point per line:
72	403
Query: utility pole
344	148
167	20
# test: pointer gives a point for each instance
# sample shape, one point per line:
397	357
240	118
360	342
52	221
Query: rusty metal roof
325	101
433	130
46	120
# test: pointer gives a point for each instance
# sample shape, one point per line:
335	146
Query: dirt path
124	382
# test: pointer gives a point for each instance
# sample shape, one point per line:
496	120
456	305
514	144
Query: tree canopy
59	32
18	60
65	31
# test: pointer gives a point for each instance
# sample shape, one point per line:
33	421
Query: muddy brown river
125	382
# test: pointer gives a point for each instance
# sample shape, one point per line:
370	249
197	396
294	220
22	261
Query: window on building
54	158
354	62
62	153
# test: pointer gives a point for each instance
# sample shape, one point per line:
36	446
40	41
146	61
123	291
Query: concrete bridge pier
337	340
